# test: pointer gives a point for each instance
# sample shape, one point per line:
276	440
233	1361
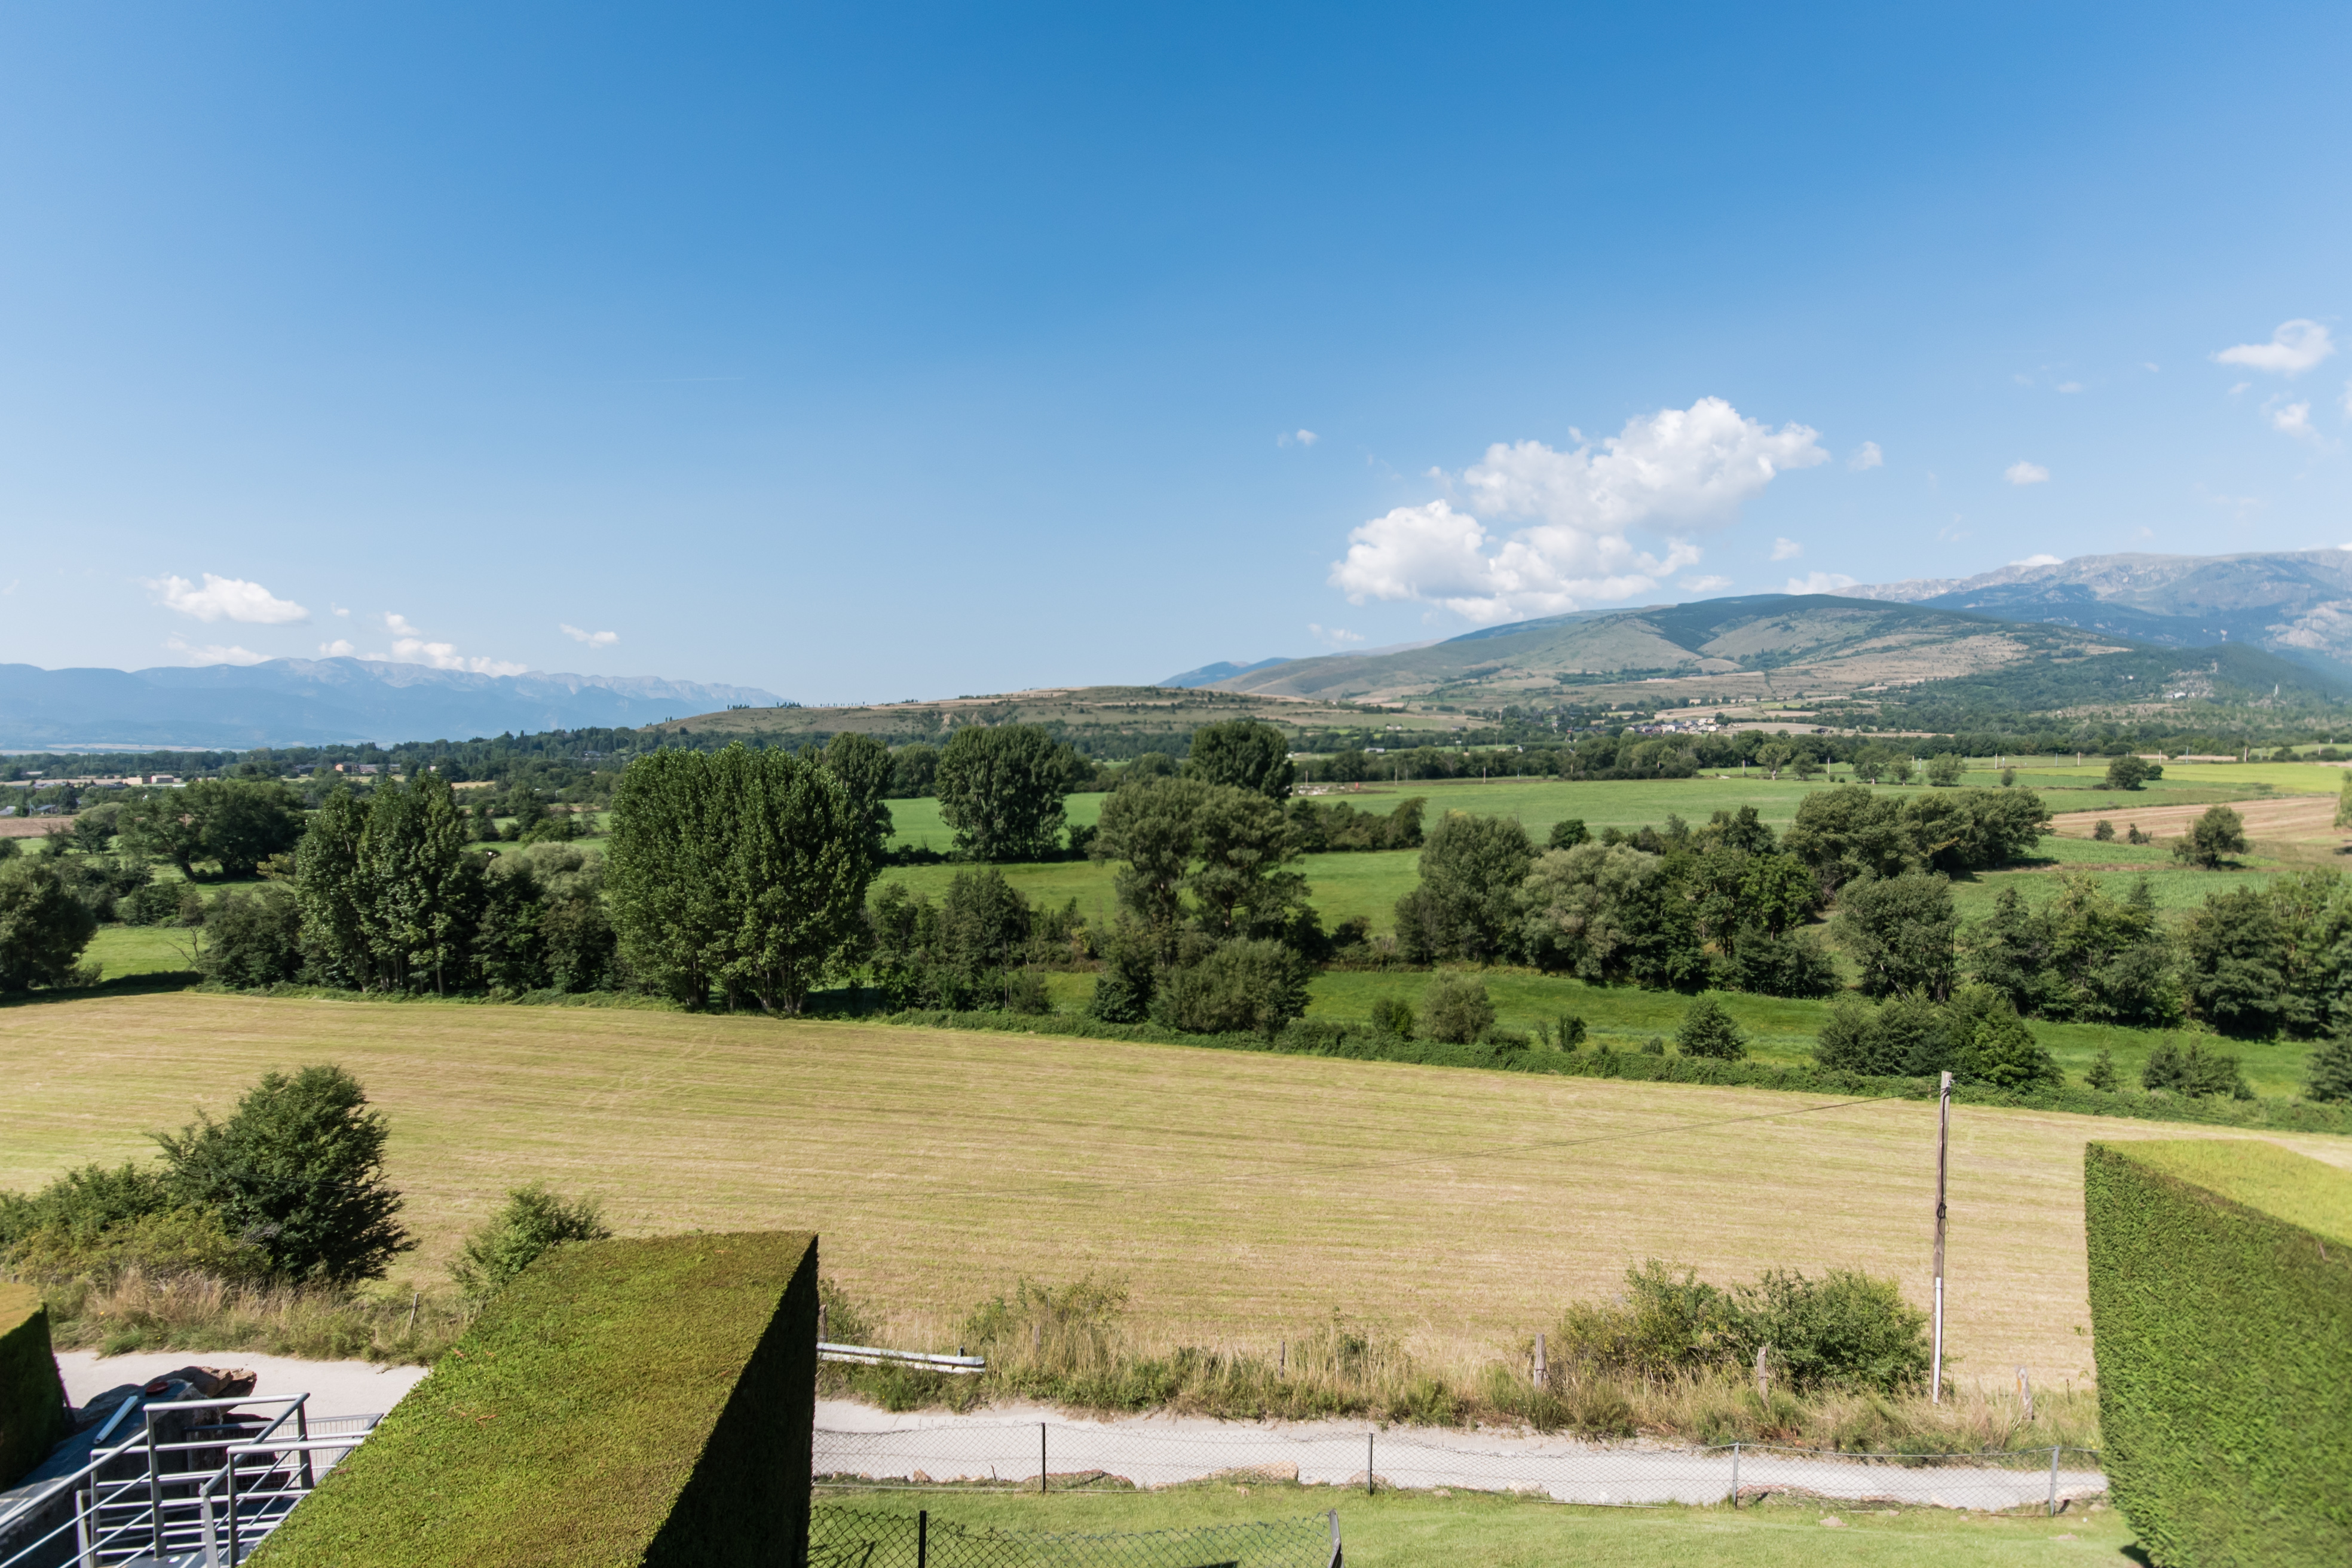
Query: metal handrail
874	1355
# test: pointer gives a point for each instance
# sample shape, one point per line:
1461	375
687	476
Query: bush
1245	986
1123	991
2218	1276
535	1222
298	1169
1568	833
1454	1009
43	928
2194	1069
2328	1076
252	940
157	903
1945	769
644	1402
1393	1015
1708	1031
2218	834
1793	964
32	1400
2104	832
2131	772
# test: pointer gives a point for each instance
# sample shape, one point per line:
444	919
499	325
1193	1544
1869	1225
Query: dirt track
2304	817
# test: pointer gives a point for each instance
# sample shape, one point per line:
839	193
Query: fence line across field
1061	1455
849	1538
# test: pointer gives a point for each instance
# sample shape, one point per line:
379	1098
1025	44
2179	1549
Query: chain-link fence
849	1538
1069	1456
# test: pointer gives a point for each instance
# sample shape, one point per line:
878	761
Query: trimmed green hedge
621	1402
32	1400
2220	1276
1313	1037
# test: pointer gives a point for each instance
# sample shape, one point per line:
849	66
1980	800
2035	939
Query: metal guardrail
873	1355
180	1491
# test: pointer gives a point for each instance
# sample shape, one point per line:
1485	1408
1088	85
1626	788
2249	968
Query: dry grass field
1244	1197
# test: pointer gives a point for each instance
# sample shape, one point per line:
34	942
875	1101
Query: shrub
32	1400
1467	903
2218	834
1708	1031
1245	986
2194	1069
2131	772
2103	1076
1393	1015
1455	1009
1123	991
1851	1041
644	1402
2104	832
252	940
1792	964
1568	833
2218	1276
2328	1076
1945	769
1571	1031
534	1222
298	1169
157	903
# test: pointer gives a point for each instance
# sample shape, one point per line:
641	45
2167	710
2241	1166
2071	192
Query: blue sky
883	352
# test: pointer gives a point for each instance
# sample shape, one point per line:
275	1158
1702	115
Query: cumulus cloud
2294	419
593	639
2293	348
1705	584
339	648
2037	561
409	646
1866	456
1297	437
1786	550
214	653
226	599
1676	468
1820	582
2026	474
1334	636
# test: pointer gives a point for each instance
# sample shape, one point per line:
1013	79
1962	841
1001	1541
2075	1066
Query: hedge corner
648	1402
32	1396
2221	1282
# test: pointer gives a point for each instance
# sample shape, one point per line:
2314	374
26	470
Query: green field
1420	1529
1245	1198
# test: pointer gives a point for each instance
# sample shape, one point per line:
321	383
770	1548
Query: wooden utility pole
1943	1150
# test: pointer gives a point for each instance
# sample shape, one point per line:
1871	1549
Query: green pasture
1422	1529
915	823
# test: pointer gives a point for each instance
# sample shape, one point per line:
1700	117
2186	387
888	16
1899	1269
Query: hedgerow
32	1403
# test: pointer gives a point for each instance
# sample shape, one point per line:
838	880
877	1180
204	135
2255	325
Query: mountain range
323	701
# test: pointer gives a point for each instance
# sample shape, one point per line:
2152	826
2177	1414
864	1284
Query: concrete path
1001	1445
335	1387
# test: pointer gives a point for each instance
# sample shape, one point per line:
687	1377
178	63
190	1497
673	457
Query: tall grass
135	1310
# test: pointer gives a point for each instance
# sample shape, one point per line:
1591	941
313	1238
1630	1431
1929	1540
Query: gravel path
853	1440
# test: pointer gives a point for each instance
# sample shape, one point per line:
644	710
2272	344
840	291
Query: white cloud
2026	474
1334	636
343	612
409	647
1297	437
1866	456
226	599
594	639
214	653
1689	467
2037	561
1820	582
2293	348
1704	584
2347	400
1786	550
2239	387
339	648
2070	386
2294	419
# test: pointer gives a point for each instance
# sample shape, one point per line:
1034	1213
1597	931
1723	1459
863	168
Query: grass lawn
1423	1529
1244	1197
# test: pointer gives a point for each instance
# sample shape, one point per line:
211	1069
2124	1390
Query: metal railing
199	1482
874	1355
1037	1456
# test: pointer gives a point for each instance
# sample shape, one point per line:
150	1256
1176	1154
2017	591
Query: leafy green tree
1245	986
252	940
1149	825
913	769
1999	1049
2129	771
1608	911
243	822
1456	1008
332	894
421	890
864	768
1898	768
1130	976
2344	802
2218	834
534	1222
164	826
93	830
2329	1075
1393	1015
1945	769
984	923
2232	950
1568	833
2104	832
1708	1031
521	802
1468	904
1851	1040
1001	788
43	926
298	1169
1899	931
2194	1069
1239	884
1245	753
739	870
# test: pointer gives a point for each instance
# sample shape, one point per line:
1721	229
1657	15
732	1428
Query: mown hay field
1245	1199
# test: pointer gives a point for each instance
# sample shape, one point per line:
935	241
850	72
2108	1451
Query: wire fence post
1369	1482
1041	1455
1735	1476
922	1538
2054	1483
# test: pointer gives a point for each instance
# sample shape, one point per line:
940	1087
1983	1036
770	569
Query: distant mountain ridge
326	701
2295	604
